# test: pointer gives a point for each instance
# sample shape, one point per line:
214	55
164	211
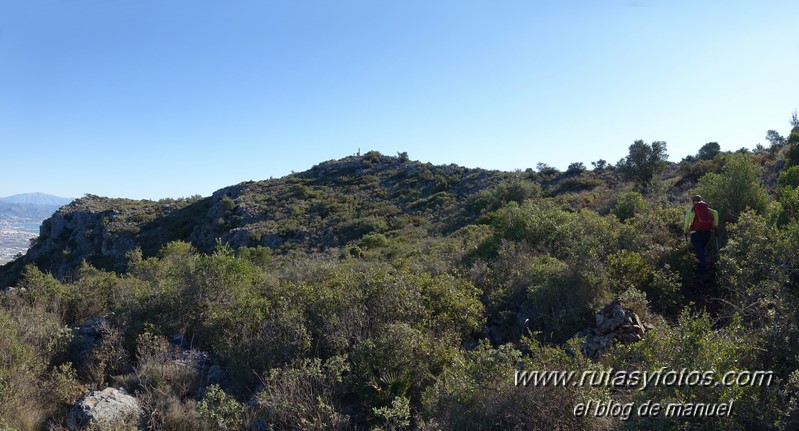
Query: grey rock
259	425
272	240
109	409
610	318
91	335
181	354
214	375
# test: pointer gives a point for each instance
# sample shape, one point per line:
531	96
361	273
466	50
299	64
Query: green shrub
708	151
737	188
665	291
643	162
628	205
29	394
476	391
221	411
534	222
518	191
788	205
397	416
376	240
578	184
694	345
789	177
258	255
356	228
759	267
305	396
398	361
166	383
635	301
628	269
161	368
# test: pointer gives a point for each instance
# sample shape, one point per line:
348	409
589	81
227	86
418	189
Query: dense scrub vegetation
380	293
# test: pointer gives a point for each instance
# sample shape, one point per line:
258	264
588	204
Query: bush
628	205
788	205
694	345
635	301
162	368
534	222
576	184
399	361
575	168
221	411
627	269
375	240
789	178
792	156
737	187
305	396
166	383
477	392
518	191
30	393
759	267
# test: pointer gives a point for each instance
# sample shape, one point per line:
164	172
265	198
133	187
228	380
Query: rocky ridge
327	206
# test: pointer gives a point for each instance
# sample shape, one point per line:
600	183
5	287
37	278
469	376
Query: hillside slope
327	206
375	292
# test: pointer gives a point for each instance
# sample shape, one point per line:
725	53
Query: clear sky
171	98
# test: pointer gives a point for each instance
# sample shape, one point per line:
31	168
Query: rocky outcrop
102	231
109	409
614	324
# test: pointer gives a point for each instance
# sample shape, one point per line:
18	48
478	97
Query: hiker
700	220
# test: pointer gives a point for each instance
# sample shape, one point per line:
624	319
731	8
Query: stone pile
613	324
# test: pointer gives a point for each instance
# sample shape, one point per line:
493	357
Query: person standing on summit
700	220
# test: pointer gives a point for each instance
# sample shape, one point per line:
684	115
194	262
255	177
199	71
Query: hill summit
329	205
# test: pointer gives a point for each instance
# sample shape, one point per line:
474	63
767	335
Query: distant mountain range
36	199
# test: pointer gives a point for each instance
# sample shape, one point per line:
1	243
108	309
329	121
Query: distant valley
20	218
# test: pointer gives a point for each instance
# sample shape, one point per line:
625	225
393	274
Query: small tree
600	165
576	168
775	139
644	162
708	151
546	171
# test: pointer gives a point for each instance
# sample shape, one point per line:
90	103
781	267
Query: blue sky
171	98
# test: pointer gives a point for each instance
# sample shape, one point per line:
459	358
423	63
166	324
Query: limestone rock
109	409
